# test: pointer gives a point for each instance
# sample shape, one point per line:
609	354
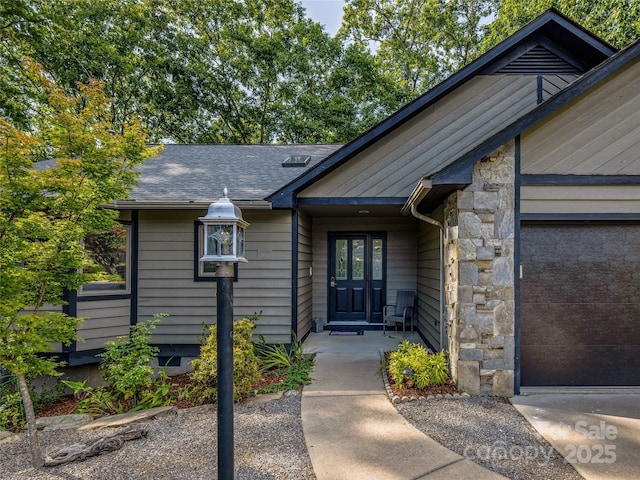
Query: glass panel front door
356	277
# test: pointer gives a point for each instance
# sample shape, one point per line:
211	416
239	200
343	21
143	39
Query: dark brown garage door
580	305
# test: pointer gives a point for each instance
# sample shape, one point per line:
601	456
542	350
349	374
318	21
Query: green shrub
126	366
413	365
11	408
11	411
125	363
246	367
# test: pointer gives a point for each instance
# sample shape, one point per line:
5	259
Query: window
205	271
108	258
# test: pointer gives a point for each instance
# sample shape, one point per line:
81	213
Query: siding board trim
517	219
580	217
133	315
568	180
351	200
294	270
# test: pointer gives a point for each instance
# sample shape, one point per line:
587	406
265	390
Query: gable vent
296	161
539	60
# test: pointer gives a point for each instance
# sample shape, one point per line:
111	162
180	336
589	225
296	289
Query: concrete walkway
598	432
351	429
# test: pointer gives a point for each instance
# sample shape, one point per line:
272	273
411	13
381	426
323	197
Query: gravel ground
269	445
492	433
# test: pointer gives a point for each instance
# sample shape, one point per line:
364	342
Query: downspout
426	219
419	193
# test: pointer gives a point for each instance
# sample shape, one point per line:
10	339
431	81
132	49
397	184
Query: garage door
580	305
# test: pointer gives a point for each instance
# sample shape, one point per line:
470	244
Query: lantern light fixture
223	232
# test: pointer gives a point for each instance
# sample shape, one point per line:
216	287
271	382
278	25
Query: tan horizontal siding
111	333
166	285
429	283
105	320
305	279
582	199
444	131
598	133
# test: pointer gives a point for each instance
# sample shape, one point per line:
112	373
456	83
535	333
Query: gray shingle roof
198	173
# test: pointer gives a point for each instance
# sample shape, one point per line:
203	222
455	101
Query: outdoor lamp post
223	242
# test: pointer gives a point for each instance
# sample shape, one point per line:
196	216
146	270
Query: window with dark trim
108	258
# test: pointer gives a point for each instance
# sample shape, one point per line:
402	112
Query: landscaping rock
6	437
63	422
127	418
264	398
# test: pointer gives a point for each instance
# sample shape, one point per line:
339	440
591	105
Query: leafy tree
255	71
118	42
419	42
20	25
265	73
616	21
46	208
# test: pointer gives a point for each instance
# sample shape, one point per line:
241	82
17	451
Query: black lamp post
224	244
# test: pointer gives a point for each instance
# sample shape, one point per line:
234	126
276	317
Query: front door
356	283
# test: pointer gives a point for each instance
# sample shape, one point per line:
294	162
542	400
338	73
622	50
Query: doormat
343	333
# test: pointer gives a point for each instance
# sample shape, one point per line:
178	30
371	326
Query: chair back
404	299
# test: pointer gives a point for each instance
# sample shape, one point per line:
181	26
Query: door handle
333	282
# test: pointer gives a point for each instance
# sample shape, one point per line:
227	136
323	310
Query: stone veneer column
479	277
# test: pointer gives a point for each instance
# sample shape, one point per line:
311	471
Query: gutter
184	205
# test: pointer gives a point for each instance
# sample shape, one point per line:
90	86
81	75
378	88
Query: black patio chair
400	312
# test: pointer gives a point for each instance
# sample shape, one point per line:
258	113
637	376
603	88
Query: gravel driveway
270	444
492	433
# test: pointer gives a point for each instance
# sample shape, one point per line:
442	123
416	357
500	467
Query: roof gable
567	41
541	60
458	173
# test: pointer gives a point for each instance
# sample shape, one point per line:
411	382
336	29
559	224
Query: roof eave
184	205
420	191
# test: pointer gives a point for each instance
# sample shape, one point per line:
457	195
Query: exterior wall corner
479	277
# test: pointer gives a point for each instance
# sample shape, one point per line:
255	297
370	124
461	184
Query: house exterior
507	197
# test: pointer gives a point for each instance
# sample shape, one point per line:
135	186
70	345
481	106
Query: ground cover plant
292	365
414	371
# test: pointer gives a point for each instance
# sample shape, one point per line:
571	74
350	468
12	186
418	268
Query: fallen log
110	443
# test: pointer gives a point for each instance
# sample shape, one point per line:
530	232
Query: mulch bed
448	387
68	404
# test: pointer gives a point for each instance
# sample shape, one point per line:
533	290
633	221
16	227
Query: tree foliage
419	42
616	21
47	207
261	71
254	71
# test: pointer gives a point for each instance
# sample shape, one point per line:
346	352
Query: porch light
223	232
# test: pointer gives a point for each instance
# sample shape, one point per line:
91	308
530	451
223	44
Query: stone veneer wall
479	277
